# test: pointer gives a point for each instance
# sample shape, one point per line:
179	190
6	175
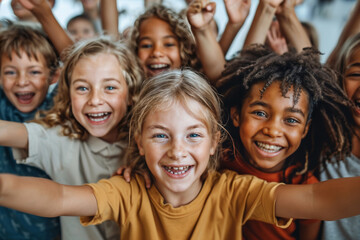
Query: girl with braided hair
285	112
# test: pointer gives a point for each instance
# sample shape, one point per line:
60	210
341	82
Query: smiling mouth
268	147
25	97
177	170
158	67
98	117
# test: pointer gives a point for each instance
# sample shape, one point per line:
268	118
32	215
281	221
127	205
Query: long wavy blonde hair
61	113
160	93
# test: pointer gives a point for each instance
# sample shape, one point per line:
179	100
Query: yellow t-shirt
224	203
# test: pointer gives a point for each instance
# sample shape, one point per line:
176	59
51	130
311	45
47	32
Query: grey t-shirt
347	228
73	162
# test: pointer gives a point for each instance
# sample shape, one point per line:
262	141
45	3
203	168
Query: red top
260	230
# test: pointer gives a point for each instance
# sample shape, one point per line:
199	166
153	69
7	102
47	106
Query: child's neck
180	198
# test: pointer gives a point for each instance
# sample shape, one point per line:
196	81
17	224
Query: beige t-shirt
225	202
73	162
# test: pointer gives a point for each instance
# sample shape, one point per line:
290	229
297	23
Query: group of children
140	101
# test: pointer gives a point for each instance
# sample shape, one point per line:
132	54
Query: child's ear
234	116
55	77
139	144
215	143
306	129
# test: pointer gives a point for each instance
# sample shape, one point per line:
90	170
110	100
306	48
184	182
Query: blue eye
9	73
34	72
81	89
260	113
110	88
160	136
292	120
193	135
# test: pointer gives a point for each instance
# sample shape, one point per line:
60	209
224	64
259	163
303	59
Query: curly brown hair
178	26
330	128
61	113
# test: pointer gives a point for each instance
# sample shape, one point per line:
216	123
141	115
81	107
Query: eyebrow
289	109
156	126
166	37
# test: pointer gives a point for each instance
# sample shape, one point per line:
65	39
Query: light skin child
81	28
172	137
25	80
99	100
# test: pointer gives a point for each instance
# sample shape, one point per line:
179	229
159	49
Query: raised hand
237	10
275	39
200	13
273	3
34	5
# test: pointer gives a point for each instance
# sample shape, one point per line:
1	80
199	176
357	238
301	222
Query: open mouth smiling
268	147
98	117
177	170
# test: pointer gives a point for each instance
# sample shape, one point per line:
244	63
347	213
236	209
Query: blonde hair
161	92
30	39
61	113
178	26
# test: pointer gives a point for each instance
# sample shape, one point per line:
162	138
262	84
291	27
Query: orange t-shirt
259	230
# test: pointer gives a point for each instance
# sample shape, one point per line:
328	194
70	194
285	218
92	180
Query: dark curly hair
178	26
330	130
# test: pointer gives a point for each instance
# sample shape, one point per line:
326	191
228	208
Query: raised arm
199	14
13	134
42	11
260	25
329	200
290	25
46	198
352	27
109	18
237	11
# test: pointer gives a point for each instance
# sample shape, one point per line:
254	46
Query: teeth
268	147
97	114
159	66
177	170
98	117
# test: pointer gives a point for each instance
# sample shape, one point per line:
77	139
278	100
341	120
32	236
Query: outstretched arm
13	134
237	11
352	27
46	198
199	14
260	25
42	11
291	26
109	18
329	200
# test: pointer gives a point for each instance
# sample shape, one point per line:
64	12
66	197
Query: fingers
147	179
127	174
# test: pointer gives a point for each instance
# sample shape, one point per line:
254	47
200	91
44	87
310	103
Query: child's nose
177	150
96	98
272	129
157	52
22	80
